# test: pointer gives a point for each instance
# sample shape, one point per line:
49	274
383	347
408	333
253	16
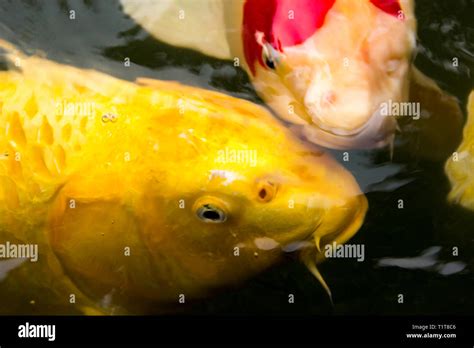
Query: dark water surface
420	237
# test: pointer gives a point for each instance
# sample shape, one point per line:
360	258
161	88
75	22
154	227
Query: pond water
407	251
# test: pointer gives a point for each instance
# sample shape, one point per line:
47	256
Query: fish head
212	197
252	193
271	208
329	65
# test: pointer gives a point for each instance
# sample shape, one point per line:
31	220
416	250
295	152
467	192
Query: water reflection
102	37
428	260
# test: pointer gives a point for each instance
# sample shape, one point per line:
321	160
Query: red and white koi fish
329	65
326	66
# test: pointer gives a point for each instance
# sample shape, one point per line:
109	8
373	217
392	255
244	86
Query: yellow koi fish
138	197
460	166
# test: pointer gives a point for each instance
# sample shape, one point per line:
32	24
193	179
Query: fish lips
377	132
352	214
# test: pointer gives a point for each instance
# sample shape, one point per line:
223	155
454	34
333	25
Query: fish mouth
315	242
348	231
314	254
377	132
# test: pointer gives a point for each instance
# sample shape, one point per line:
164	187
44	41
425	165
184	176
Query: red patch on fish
283	23
286	23
391	7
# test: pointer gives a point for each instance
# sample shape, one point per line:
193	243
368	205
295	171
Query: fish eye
269	56
269	62
266	191
210	212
